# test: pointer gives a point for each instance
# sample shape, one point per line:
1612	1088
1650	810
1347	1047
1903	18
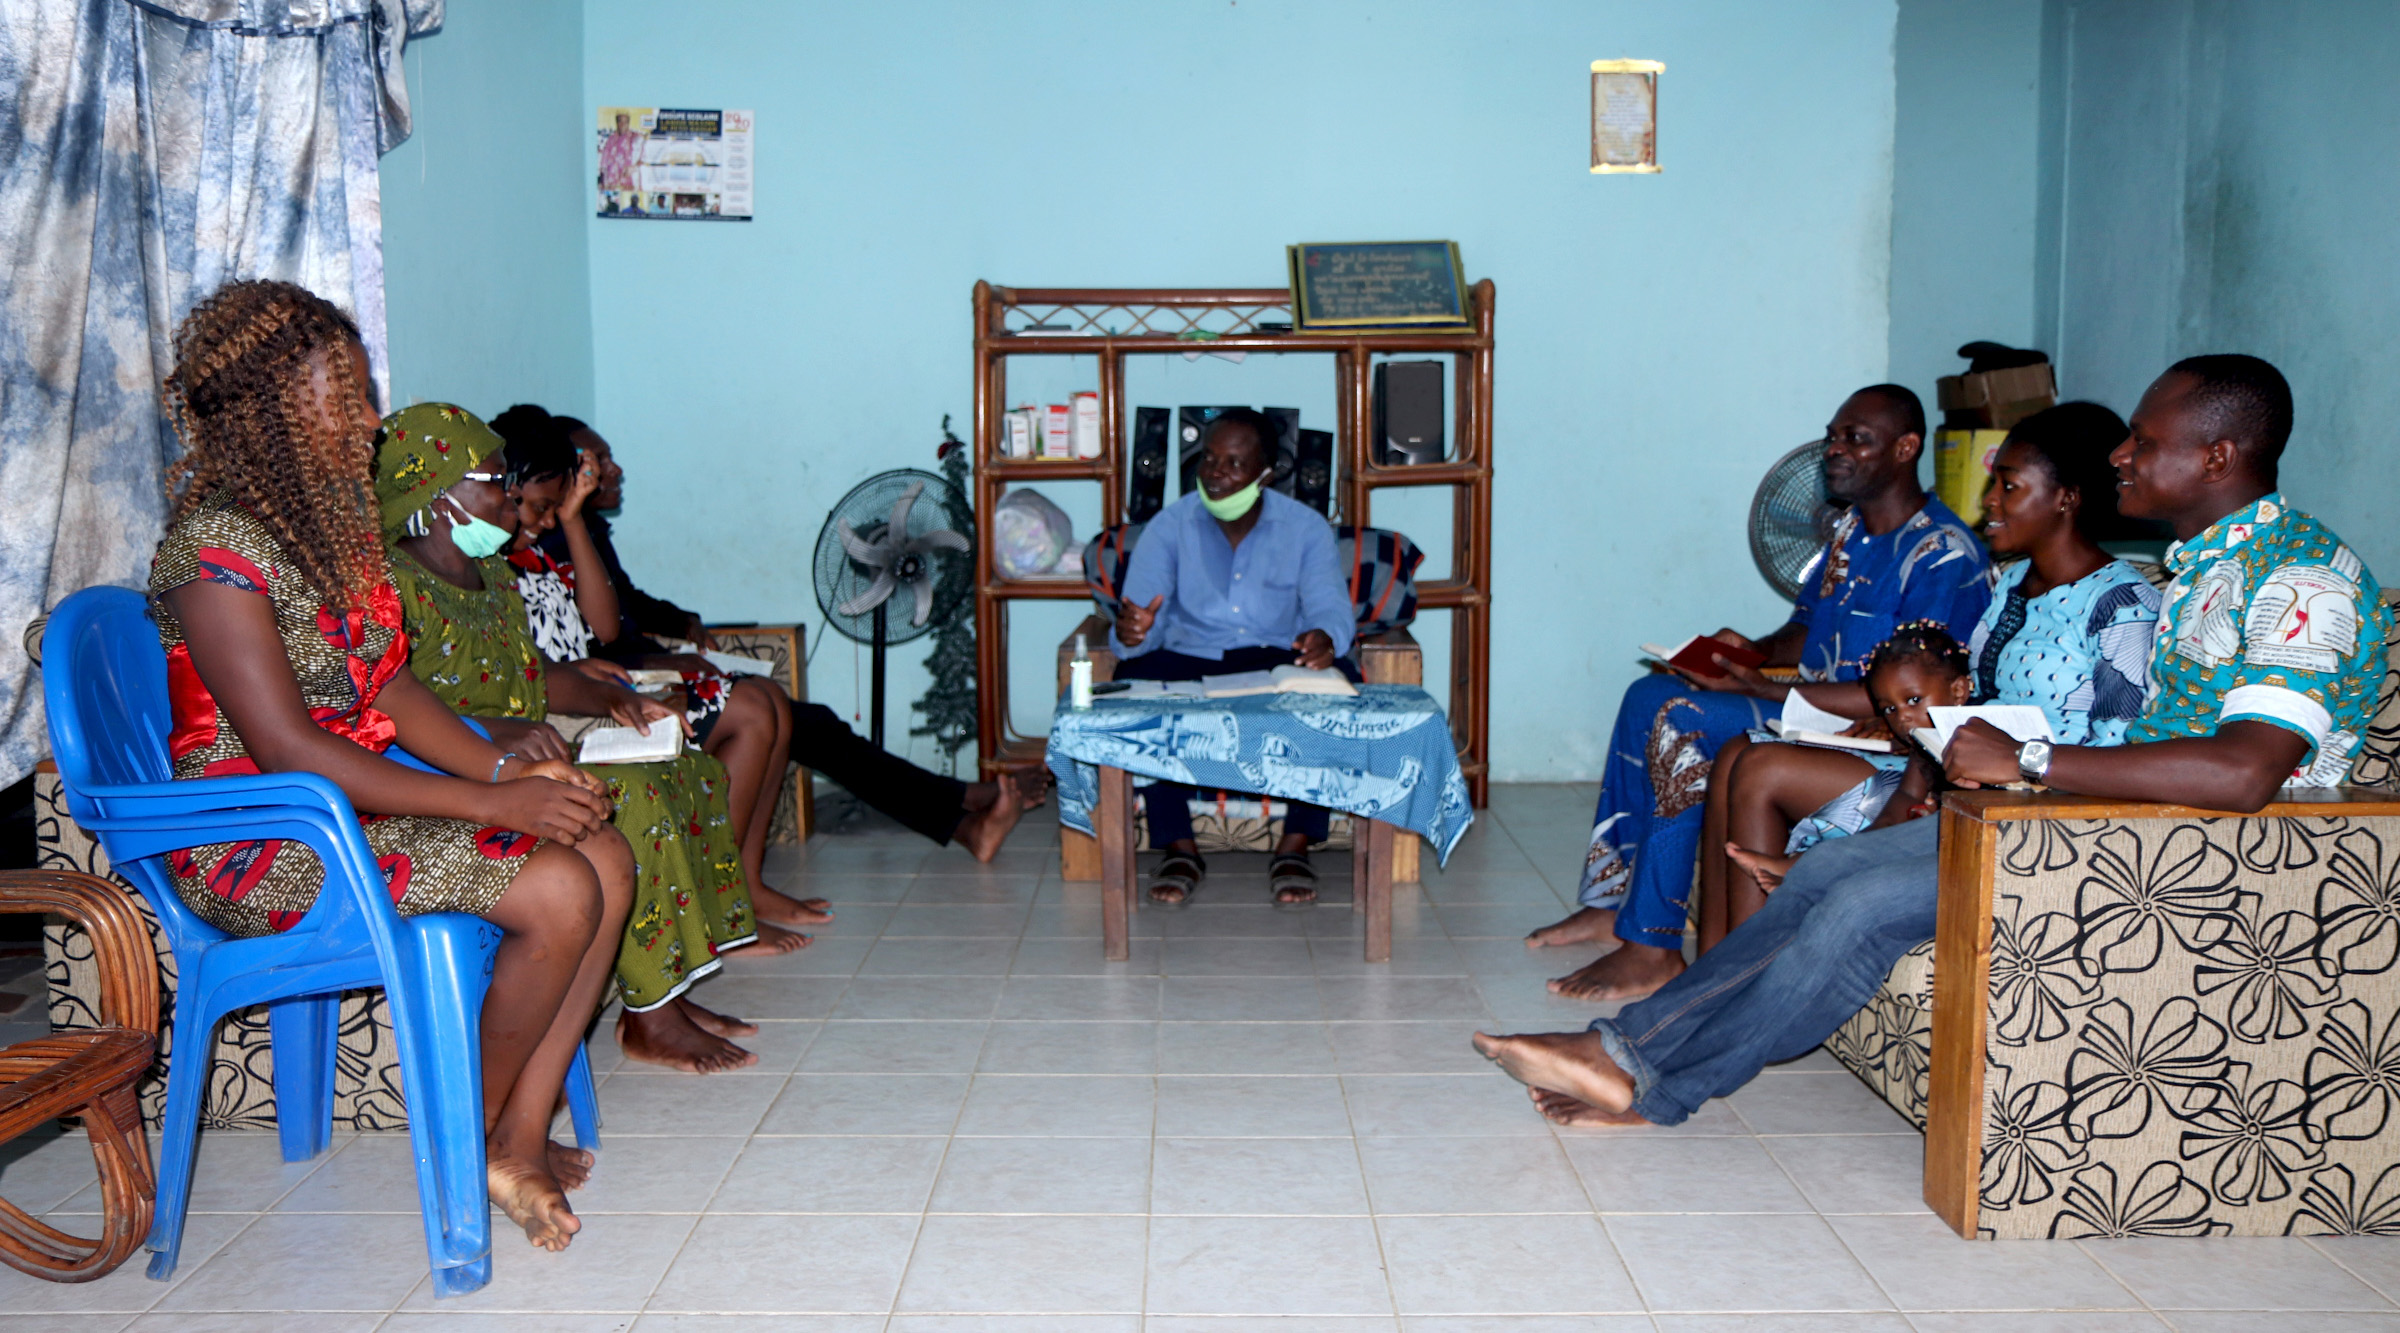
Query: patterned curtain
149	153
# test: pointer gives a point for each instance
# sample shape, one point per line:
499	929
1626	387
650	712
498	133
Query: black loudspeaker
1408	412
1287	447
1146	482
1312	471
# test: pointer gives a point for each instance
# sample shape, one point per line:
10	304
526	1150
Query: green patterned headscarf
427	449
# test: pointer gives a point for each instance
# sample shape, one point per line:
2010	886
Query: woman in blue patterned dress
2068	630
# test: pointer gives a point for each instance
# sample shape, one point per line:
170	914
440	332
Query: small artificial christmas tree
948	704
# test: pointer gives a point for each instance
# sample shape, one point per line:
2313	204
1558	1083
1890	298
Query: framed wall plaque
1625	116
1376	285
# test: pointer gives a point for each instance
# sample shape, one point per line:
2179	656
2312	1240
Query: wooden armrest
1094	630
2000	806
121	948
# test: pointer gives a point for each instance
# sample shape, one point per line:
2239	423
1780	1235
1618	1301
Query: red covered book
1695	653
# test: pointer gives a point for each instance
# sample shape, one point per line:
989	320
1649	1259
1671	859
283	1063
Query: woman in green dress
447	514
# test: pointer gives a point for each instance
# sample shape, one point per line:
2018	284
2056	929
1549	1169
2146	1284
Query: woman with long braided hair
285	653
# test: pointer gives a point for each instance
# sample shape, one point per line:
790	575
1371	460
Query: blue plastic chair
105	685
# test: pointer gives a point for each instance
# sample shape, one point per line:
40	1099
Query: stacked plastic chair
105	684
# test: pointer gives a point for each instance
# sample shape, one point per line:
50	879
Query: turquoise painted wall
1661	339
1967	84
2217	176
485	283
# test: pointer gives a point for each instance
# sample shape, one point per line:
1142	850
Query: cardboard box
1998	399
1058	431
1087	425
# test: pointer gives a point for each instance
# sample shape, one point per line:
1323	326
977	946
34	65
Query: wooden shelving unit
1112	324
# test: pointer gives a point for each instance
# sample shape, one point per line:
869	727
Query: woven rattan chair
88	1073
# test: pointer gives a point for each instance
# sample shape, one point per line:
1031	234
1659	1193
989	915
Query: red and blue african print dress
342	662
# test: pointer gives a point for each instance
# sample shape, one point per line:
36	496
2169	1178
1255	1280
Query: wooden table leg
1362	855
1113	821
1379	838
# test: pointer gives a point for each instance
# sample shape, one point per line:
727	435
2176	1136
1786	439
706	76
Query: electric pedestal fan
1790	518
884	566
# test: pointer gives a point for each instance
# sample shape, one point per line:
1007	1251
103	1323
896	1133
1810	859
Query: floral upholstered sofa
2148	1020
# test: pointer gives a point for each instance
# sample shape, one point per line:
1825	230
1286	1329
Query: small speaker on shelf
1286	444
1408	412
1312	470
1146	480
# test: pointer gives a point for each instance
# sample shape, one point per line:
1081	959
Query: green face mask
1235	505
476	537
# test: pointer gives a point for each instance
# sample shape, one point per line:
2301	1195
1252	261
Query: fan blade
924	602
942	539
865	553
900	508
876	594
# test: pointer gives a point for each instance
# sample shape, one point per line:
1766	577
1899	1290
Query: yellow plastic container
1962	465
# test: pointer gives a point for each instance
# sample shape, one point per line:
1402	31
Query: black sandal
1290	872
1177	871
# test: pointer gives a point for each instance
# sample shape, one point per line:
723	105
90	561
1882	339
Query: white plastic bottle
1079	676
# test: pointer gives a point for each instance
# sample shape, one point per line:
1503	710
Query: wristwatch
2033	760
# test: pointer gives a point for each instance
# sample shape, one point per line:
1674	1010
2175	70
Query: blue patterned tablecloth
1386	754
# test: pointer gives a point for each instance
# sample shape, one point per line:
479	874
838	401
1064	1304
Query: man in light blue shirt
1233	578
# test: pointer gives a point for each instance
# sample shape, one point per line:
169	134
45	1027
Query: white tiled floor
964	1120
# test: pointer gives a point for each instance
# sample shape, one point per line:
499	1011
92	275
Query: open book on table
2022	721
1803	723
624	745
1281	680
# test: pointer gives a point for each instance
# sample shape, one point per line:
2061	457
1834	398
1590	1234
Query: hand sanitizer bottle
1079	676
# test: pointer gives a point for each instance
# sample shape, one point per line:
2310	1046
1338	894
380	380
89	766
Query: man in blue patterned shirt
2263	673
1897	555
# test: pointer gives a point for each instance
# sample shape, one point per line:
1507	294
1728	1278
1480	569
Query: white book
734	664
2024	722
624	745
650	678
1281	680
1803	723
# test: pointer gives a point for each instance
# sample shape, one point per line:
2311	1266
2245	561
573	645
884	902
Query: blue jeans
1645	837
1783	981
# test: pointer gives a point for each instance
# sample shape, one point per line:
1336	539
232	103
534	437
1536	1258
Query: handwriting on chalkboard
1377	284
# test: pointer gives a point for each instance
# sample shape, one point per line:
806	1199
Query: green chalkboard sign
1377	285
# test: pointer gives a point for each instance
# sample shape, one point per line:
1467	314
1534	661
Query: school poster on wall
674	163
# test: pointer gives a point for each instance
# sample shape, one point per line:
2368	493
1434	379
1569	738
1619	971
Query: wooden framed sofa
2149	1020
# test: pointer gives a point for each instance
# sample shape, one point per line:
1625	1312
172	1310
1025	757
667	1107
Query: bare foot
1574	1063
1633	971
532	1199
570	1167
1559	1108
776	907
667	1036
1033	786
982	832
1767	870
771	940
1589	925
714	1023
